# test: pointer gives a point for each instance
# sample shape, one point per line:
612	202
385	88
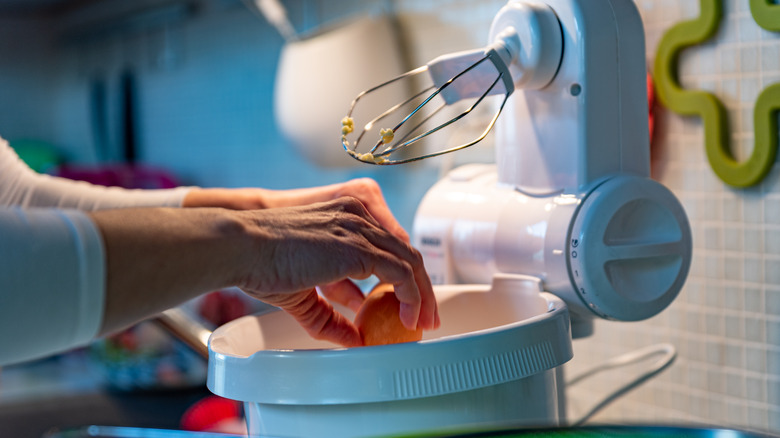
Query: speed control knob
629	249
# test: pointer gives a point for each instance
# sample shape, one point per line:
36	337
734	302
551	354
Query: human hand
299	248
366	190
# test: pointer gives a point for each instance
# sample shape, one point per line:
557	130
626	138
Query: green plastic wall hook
709	108
766	14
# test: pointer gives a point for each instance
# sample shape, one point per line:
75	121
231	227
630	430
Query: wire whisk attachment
467	78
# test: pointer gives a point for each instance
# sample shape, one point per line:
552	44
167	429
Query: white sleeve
52	282
23	187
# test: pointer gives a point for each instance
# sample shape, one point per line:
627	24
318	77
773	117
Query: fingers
368	192
382	213
401	276
320	320
429	311
412	286
326	244
420	309
402	265
344	292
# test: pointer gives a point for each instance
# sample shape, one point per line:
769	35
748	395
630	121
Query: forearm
23	187
259	198
48	191
366	190
159	258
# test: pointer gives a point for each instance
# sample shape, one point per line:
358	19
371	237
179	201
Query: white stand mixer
570	200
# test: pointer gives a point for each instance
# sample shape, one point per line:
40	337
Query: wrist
233	199
233	244
158	258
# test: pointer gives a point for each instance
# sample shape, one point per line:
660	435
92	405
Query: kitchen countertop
67	392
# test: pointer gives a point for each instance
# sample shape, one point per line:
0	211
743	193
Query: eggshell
378	320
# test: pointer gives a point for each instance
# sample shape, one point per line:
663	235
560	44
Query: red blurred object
127	340
206	414
650	105
221	307
120	175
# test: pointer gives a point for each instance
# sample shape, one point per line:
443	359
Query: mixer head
525	51
466	78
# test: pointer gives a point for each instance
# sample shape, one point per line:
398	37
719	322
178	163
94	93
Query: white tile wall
728	343
24	81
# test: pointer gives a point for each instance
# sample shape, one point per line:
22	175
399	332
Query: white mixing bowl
493	361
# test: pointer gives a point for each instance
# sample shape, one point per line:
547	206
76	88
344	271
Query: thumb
344	292
321	321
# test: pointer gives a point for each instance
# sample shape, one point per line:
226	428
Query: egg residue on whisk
368	157
387	135
347	125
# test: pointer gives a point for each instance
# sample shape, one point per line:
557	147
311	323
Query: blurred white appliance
304	109
568	220
343	61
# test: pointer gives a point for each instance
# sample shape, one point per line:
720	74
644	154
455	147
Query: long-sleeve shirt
52	259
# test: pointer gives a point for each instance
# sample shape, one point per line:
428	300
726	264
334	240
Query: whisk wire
368	126
416	71
445	124
372	157
419	125
425	102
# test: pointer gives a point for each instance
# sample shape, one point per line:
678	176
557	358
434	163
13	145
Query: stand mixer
570	200
566	228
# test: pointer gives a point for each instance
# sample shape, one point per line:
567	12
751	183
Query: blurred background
185	89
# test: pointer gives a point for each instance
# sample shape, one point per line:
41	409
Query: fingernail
408	315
